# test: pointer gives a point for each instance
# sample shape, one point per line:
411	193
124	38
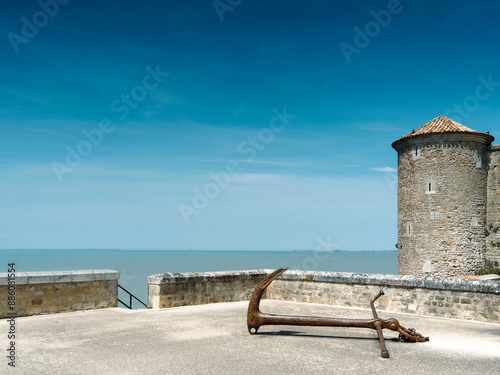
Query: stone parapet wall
59	291
195	288
425	295
447	297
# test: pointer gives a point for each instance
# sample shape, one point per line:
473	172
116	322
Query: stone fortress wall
34	293
197	288
492	232
64	291
424	295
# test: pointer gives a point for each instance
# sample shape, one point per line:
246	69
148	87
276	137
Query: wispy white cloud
270	162
380	127
384	169
221	160
261	178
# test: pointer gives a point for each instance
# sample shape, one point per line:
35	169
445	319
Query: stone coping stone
406	281
196	277
50	277
493	276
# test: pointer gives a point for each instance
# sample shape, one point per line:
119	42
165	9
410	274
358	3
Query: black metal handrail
131	296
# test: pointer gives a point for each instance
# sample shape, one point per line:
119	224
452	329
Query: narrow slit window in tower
408	230
430	187
416	153
478	158
474	222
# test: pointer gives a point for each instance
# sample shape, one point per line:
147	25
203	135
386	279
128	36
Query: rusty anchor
256	319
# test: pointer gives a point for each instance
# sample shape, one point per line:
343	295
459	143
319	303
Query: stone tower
442	199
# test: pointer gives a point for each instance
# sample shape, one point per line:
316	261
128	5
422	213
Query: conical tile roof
443	125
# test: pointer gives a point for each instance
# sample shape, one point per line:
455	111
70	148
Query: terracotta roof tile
443	125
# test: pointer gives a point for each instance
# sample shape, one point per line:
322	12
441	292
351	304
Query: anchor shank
271	319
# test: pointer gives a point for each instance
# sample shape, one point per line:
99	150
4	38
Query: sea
136	265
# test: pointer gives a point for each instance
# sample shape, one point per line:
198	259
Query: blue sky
234	125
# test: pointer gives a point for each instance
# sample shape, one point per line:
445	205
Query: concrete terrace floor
213	339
